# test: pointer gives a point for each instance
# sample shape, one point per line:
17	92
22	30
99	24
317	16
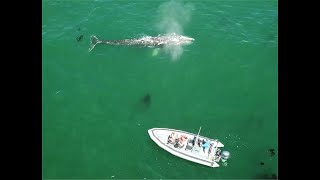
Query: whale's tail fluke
94	41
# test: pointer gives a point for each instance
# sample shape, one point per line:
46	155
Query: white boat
189	146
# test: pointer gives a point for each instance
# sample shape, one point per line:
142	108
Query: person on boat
210	148
194	140
172	134
181	142
205	144
204	141
177	143
218	153
199	142
171	138
183	138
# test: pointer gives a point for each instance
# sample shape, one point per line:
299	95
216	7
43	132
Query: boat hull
160	137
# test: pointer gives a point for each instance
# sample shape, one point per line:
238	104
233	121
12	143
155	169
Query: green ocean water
94	124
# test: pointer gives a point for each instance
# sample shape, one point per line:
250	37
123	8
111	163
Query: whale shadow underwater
141	106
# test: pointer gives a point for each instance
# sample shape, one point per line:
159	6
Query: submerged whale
171	39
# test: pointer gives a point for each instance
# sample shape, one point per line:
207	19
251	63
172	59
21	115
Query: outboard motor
225	155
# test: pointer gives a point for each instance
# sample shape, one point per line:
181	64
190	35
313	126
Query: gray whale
171	39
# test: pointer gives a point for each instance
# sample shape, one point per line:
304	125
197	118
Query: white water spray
172	17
